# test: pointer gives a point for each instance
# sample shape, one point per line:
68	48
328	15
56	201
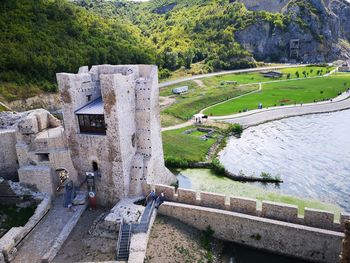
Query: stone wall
15	235
41	177
293	240
271	210
345	255
130	154
8	155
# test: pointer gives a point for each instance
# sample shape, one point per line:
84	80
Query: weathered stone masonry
130	152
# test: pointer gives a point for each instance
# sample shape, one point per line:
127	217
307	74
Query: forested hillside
186	32
39	38
228	34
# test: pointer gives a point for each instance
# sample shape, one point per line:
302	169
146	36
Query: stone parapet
187	196
212	200
343	218
277	211
169	191
243	205
282	212
319	218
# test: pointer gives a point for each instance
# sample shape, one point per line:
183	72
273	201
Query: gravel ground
83	247
172	241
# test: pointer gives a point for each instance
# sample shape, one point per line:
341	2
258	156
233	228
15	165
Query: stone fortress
111	129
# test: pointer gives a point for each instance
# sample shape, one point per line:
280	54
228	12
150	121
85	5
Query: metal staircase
124	242
126	230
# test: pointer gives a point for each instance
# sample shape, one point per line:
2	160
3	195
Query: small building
180	90
345	67
272	74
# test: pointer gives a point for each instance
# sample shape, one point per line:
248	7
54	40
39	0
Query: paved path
173	82
235	98
257	117
44	235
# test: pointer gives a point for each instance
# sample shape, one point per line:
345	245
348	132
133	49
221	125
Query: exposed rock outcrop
320	28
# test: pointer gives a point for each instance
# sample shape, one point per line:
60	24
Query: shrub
207	237
217	167
175	162
236	129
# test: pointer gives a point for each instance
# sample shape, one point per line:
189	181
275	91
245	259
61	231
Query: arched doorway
62	176
94	166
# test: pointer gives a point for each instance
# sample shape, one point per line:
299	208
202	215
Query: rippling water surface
310	153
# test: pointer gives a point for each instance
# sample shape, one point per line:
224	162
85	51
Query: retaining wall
294	240
15	235
277	211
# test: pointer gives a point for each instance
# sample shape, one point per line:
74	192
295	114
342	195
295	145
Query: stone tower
345	255
112	123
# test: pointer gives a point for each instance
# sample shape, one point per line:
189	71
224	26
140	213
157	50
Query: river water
310	153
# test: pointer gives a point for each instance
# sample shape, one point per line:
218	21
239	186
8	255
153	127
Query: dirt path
166	101
199	82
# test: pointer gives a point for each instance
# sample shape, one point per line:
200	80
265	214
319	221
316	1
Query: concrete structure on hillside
345	67
272	74
180	90
111	131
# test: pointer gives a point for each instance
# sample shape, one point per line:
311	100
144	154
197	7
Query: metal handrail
120	235
129	239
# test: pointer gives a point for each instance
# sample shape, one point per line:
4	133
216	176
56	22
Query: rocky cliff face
317	31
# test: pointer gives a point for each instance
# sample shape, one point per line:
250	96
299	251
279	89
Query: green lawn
206	180
188	147
255	77
218	89
197	98
286	92
2	108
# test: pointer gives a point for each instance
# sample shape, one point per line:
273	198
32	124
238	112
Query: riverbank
310	153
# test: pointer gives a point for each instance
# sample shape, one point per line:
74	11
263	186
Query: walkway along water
260	116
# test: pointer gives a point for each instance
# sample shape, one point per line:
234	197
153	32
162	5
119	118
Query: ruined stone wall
8	155
293	240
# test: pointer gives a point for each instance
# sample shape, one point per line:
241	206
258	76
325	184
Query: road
257	117
173	82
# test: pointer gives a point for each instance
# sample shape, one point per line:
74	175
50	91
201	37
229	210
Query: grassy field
255	77
13	91
286	92
220	88
2	108
189	147
206	180
197	98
